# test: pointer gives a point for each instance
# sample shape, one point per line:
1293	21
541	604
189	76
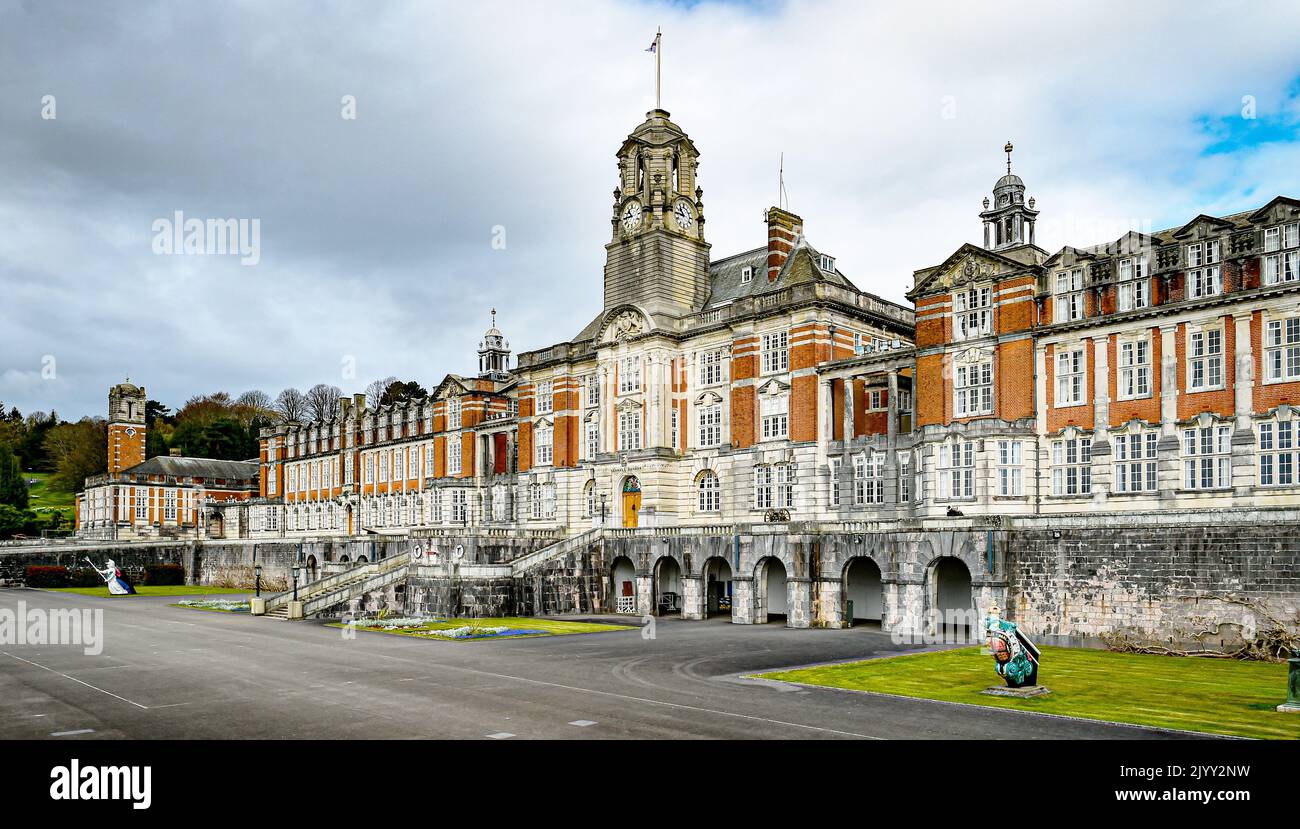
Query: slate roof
196	468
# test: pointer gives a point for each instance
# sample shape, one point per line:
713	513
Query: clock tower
126	406
658	258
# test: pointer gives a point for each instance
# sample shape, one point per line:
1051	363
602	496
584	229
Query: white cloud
376	232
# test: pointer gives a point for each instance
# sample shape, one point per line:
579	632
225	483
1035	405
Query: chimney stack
783	230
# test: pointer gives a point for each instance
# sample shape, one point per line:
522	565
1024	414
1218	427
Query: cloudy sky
376	232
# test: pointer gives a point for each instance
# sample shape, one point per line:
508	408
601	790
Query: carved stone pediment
970	268
624	325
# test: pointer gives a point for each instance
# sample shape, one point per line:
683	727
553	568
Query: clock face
683	214
130	433
632	215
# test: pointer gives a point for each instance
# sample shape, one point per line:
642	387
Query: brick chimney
783	229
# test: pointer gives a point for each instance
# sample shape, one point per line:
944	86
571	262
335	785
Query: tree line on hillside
215	425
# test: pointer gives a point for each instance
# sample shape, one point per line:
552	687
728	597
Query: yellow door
631	503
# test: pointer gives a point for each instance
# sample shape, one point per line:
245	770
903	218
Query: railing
625	604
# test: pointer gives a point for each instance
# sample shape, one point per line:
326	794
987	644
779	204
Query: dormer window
746	275
1281	259
827	263
1134	286
1067	298
972	313
1203	277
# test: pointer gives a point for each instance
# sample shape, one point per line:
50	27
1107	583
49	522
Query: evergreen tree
13	486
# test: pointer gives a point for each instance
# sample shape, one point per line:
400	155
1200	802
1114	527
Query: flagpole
659	56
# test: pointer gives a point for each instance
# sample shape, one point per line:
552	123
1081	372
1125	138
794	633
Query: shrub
163	574
85	577
38	575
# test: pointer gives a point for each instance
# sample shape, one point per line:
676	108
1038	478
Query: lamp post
1292	704
295	570
602	509
257	580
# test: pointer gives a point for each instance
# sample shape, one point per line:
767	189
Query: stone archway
950	597
311	568
717	587
864	591
622	575
667	587
770	591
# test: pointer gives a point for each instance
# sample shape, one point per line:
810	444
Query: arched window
589	499
709	491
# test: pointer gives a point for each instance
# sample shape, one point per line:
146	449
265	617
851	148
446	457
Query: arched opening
667	587
623	585
311	568
631	501
863	596
717	587
349	519
769	592
952	600
344	559
362	560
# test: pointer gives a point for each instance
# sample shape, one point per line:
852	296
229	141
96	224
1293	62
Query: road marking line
70	733
74	679
583	723
500	735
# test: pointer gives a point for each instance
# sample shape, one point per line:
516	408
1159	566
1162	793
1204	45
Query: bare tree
323	401
291	404
375	391
257	400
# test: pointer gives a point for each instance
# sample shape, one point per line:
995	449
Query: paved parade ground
170	673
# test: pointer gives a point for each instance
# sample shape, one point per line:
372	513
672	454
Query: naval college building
1099	441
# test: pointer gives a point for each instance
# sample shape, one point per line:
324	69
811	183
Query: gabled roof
1262	214
1214	220
925	277
173	466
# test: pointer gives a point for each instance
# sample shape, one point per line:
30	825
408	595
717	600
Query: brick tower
126	425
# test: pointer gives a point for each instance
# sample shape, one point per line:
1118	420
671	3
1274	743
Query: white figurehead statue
117	585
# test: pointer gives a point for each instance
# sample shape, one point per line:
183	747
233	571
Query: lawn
213	605
40	496
1218	696
152	590
515	628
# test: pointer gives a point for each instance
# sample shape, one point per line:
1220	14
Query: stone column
645	594
848	413
1243	436
909	612
692	597
1169	471
798	602
1101	455
830	604
742	600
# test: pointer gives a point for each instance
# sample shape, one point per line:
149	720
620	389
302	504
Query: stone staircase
330	591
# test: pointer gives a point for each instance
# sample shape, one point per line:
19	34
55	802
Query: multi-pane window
1277	453
370	469
1135	462
709	491
629	375
453	455
773	486
591	391
1205	359
1281	259
383	466
973	385
775	413
169	505
875	399
1282	349
1207	458
710	425
1203	276
270	479
957	469
972	313
428	460
1069	377
710	368
904	480
776	352
453	413
1010	468
1067	299
459	507
548	500
674	428
869	479
1072	466
399	465
836	464
545	397
1134	286
593	439
545	444
1134	369
629	430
